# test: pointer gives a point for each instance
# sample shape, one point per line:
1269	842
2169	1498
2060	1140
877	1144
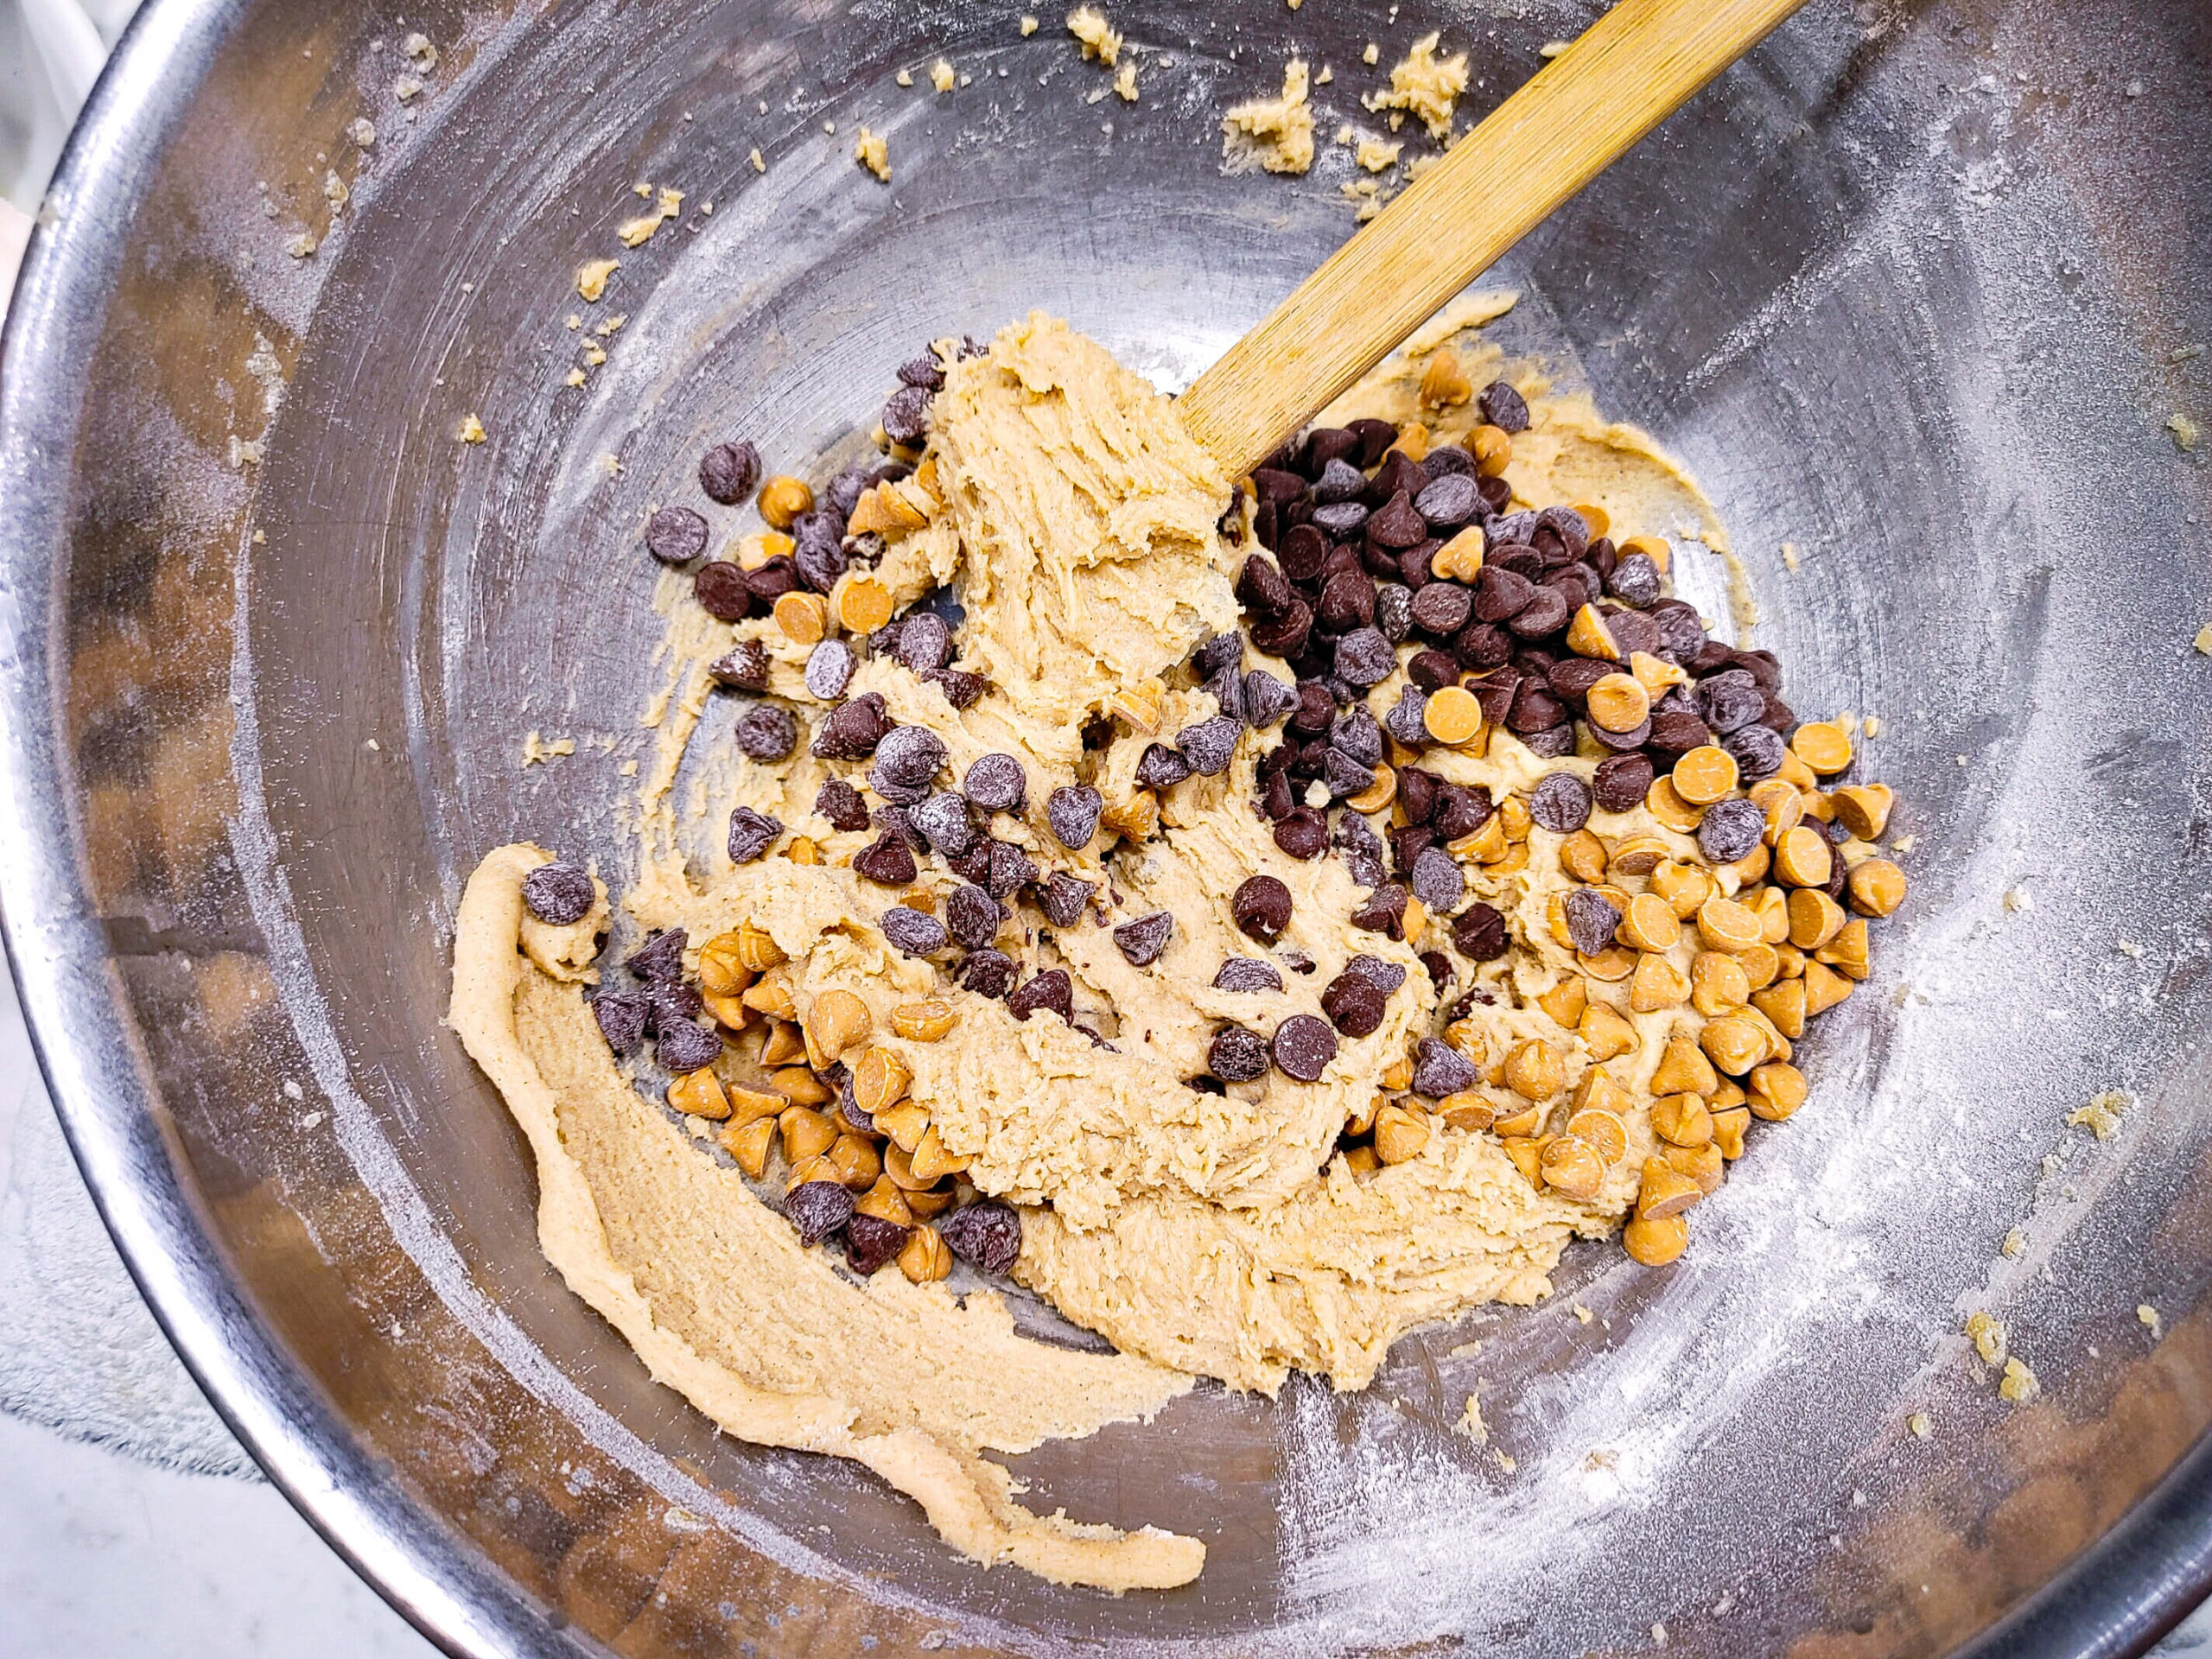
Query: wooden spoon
1636	66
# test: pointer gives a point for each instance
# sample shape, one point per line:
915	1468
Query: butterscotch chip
1582	856
1136	818
1598	1092
1138	705
757	949
1656	983
924	1258
1752	869
1684	887
1802	857
729	1010
837	1023
1445	384
1681	1120
1656	674
1515	818
1635	855
1399	1074
922	1022
1527	1156
1789	962
783	1045
1517	858
803	618
863	605
1565	1001
699	1093
880	1080
772	997
1650	924
1683	1070
932	1202
1824	988
1848	952
1603	1130
905	1124
1362	1162
784	499
1656	1241
1761	966
799	1084
1664	802
1451	715
856	1161
1523	1122
1703	1165
1654	548
1729	1124
1492	448
1664	1191
1704	775
1610	966
748	1143
1571	1167
1822	744
1783	803
1599	521
1468	1110
803	850
1877	886
722	972
806	1134
1605	1032
932	1160
1400	1134
1588	636
1723	924
1815	919
1536	1071
746	1104
1459	559
1864	808
1775	1090
884	1202
1734	1044
1783	1002
1619	703
1771	906
1718	983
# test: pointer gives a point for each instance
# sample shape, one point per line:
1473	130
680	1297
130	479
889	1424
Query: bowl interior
1897	288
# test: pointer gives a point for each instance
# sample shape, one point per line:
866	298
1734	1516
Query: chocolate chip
1355	735
1621	742
751	834
771	579
1479	933
1461	809
1385	977
873	1244
1010	868
728	471
1276	484
887	860
1365	657
1354	1004
1408	721
1534	707
818	1209
685	1046
1417	793
1570	527
1266	699
1375	438
1730	829
986	1234
1590	920
1209	745
1384	911
1072	811
1482	646
659	960
1438	966
1559	803
1236	1055
1340	480
1303	551
942	822
1221	652
1303	1046
1065	899
1286	635
1142	940
1635	580
996	783
1621	782
1442	608
1161	767
906	415
1051	991
720	588
1304	833
1676	731
559	894
1450	502
986	973
962	690
1344	776
1437	882
1759	752
1441	1069
768	732
973	916
852	730
744	667
1501	593
1503	408
675	535
819	558
1341	519
925	642
907	758
922	372
1347	602
1262	588
1246	974
1546	613
1316	708
1731	700
1262	907
1361	847
1681	633
621	1016
1396	523
840	803
914	933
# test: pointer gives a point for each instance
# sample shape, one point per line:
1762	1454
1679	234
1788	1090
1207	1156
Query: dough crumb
2102	1116
1988	1337
1373	54
2184	431
1790	557
1424	85
2017	900
942	77
1273	133
406	89
1551	49
1326	75
870	150
417	46
758	165
2019	1385
471	429
2149	1316
1470	1423
2128	948
1125	84
1100	39
362	131
1873	726
574	377
1376	155
905	77
1919	1426
302	246
2016	1242
1028	25
591	278
536	748
635	232
1583	1313
2204	640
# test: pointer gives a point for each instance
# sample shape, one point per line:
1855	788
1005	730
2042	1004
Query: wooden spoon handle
1631	70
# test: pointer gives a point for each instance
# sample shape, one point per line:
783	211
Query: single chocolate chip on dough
1438	881
906	415
1731	829
829	670
840	803
1303	834
1621	782
925	642
1385	977
768	732
659	960
1364	658
914	932
1384	911
986	973
818	1209
852	729
1730	700
906	760
621	1016
1479	933
1559	803
1142	940
1072	811
751	834
720	588
1246	974
559	894
675	535
1065	899
873	1244
996	783
728	471
1590	920
1635	580
672	1002
771	579
1052	991
1209	745
686	1045
986	1234
1353	1004
1236	1055
1262	588
962	689
1503	408
1011	867
1759	752
973	916
744	667
1303	1046
887	860
1441	1069
1262	906
1161	767
1266	699
942	820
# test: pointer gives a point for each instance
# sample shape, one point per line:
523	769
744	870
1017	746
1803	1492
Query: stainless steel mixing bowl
1913	290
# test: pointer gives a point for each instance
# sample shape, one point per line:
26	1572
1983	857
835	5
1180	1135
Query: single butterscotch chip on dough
1824	988
1596	517
880	1080
1571	1167
1619	703
1140	705
1635	855
1492	448
1452	716
1445	384
1536	1071
1378	794
905	1124
1706	774
930	1021
1684	887
1774	1090
1802	858
1734	1043
1468	1110
1600	1091
932	1160
799	1083
782	499
1822	744
885	1201
1718	983
856	1161
838	1022
1653	1242
781	1044
1649	924
1582	856
1864	808
1514	818
1782	801
925	1258
748	1143
1729	1124
863	605
1526	1122
1703	1165
1784	1003
1602	1129
803	618
1848	952
1876	886
1608	966
1657	984
1664	1191
1681	1120
1567	999
1401	1135
1665	803
1588	636
1815	919
1605	1032
1683	1070
699	1093
1656	674
805	1133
